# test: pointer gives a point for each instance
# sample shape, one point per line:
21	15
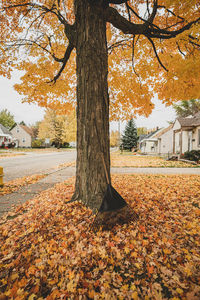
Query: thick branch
154	11
65	60
118	21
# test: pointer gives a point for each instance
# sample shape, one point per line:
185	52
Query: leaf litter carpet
49	252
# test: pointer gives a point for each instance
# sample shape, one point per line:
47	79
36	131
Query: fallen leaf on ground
55	255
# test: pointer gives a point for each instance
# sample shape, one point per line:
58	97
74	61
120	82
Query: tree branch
118	21
30	42
154	11
69	29
65	60
155	51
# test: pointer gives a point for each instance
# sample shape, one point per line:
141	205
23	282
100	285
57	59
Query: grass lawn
128	159
49	252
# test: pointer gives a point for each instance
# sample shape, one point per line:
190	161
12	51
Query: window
23	140
17	129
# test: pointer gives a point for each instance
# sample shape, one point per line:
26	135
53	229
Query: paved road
34	163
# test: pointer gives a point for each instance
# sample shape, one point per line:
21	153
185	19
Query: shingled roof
4	130
190	121
27	129
164	130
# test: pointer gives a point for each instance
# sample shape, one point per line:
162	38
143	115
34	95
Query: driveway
34	163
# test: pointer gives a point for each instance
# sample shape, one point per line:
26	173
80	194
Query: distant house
165	140
148	144
22	135
186	134
5	136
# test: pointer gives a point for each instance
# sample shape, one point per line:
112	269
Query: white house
5	136
165	140
149	143
23	135
186	134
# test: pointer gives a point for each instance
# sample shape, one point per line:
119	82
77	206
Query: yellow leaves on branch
130	90
49	251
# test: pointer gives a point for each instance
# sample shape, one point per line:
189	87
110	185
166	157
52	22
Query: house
165	140
158	142
22	135
148	144
186	134
5	136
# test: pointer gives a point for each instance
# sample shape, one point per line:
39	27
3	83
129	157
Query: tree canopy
153	46
6	119
187	108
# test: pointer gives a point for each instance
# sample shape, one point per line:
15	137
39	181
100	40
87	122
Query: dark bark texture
92	103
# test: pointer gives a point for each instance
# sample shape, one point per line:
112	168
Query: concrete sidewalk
30	191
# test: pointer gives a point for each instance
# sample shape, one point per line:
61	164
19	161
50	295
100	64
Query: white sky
30	113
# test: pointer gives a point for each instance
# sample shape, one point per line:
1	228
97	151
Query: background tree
6	119
129	138
59	129
114	138
22	123
35	129
187	108
141	130
153	47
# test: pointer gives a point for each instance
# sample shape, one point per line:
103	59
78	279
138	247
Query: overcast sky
30	113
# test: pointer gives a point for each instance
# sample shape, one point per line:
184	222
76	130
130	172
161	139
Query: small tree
59	128
6	119
114	138
129	138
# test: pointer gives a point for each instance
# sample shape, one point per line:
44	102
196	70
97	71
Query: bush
37	144
193	155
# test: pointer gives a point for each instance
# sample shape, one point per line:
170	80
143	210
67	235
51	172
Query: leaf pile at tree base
48	252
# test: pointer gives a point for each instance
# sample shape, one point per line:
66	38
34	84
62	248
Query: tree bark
92	103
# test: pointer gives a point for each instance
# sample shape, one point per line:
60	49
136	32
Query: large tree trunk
92	103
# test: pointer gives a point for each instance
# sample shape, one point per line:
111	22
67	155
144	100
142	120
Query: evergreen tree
129	138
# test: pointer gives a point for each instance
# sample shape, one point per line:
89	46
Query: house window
23	140
17	129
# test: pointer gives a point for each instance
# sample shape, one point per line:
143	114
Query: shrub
193	155
37	144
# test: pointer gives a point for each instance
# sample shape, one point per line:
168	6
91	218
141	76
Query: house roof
27	129
4	130
190	121
150	136
164	130
141	137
